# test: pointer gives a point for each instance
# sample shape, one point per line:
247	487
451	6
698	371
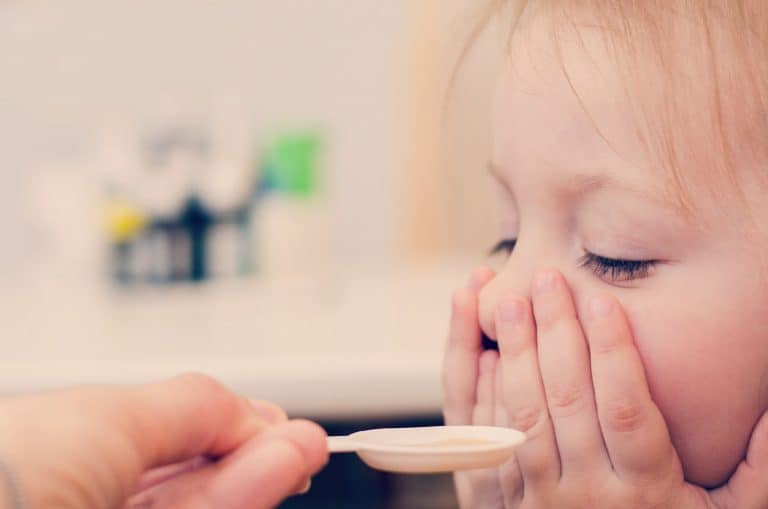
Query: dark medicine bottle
196	221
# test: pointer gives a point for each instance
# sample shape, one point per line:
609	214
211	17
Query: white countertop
363	344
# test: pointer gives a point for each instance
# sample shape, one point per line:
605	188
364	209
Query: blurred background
280	193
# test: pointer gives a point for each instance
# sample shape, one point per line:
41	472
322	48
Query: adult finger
185	417
260	474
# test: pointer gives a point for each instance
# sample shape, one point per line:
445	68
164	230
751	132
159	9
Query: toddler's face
580	193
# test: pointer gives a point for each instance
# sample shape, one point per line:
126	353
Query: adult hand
187	442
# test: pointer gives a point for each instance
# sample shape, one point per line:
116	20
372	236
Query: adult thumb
188	416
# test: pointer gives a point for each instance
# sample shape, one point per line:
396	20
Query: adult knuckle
202	383
210	393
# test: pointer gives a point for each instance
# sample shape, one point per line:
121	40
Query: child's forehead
562	113
574	95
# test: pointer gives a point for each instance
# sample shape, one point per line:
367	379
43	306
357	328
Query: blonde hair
716	50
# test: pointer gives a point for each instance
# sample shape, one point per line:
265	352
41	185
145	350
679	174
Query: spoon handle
342	444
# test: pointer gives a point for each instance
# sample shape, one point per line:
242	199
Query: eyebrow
583	184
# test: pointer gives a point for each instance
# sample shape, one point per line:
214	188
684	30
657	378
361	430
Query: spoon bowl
431	449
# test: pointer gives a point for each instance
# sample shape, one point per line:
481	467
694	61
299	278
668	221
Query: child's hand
470	377
748	487
578	390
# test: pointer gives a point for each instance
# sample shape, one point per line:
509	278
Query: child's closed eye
617	270
613	270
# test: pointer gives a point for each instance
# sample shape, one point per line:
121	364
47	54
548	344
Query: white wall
76	74
467	127
80	77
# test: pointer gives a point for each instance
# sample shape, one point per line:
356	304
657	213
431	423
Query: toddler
631	154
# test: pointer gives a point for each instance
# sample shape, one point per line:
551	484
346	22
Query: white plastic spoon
431	449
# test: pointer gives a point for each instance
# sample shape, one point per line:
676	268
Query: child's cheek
697	375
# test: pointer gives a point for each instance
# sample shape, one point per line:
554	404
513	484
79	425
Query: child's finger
463	351
480	277
634	430
511	482
460	369
565	372
499	413
477	282
485	482
485	406
510	478
748	487
461	359
523	394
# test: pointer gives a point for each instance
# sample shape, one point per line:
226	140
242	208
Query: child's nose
514	279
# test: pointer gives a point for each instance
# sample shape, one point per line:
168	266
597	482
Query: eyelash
616	270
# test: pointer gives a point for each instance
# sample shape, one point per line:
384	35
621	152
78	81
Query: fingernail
545	282
600	306
268	411
306	488
511	311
